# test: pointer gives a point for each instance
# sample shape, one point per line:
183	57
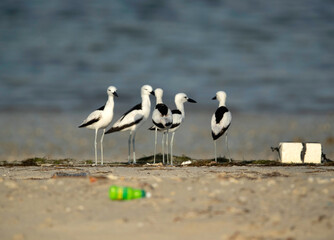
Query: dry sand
209	202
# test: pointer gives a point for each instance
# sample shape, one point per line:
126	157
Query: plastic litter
127	193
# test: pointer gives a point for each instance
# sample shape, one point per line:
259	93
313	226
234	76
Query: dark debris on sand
148	161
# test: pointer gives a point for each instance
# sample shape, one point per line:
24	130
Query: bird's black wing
116	129
101	108
162	108
219	114
137	107
90	122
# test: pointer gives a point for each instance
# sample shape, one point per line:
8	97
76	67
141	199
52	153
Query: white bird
101	118
162	119
134	118
220	121
178	117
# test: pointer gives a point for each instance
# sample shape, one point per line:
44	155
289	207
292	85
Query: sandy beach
209	202
226	201
274	60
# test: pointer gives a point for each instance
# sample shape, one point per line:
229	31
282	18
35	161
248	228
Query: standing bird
178	116
101	118
134	118
162	119
220	120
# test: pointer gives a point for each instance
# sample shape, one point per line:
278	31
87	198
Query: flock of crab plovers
164	120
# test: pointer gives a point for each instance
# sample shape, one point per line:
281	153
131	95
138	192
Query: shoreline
147	161
251	136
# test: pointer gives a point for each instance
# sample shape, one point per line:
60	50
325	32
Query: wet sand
217	202
56	135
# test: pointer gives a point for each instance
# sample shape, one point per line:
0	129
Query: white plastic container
296	152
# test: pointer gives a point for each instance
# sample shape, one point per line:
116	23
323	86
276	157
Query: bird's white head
221	97
112	91
147	90
158	94
182	98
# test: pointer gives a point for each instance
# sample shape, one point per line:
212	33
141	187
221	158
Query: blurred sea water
269	56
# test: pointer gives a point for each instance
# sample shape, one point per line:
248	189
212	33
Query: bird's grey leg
133	147
163	148
95	145
228	151
104	130
167	157
171	148
129	147
155	143
215	150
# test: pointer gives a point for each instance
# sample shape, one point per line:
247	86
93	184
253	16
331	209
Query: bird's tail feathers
152	128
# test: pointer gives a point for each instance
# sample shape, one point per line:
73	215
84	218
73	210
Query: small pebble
322	181
271	182
224	183
140	224
46	165
157	179
302	192
11	184
186	163
60	183
51	181
233	180
121	220
275	218
242	199
18	236
92	179
112	177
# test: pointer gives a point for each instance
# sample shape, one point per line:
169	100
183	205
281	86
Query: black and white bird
220	121
134	118
101	118
178	117
162	119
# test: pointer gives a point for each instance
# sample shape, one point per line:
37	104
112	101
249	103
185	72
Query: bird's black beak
214	98
153	93
191	100
115	94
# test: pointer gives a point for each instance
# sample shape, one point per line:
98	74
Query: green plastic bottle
126	193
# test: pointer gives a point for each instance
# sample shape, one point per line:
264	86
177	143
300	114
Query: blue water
269	56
